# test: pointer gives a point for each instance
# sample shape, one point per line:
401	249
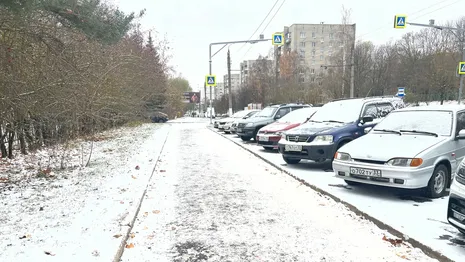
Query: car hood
311	128
382	147
227	119
278	126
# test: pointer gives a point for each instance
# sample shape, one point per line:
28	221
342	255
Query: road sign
400	21
462	68
210	80
277	39
400	91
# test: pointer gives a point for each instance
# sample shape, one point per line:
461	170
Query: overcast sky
191	25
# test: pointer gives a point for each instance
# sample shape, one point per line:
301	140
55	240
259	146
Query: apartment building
235	83
246	67
316	44
219	90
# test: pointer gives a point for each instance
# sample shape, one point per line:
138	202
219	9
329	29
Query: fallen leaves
162	171
3	179
394	242
133	177
131	245
137	167
25	236
117	236
402	256
146	214
49	253
132	235
156	211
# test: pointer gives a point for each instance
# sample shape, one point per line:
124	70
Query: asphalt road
211	200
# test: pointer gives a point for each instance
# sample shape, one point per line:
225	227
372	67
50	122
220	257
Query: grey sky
191	25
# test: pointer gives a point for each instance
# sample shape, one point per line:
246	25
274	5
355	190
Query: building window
302	54
313	79
302	34
321	58
330	43
313	34
302	71
313	44
301	79
302	61
322	39
313	62
331	36
312	71
302	44
313	53
330	53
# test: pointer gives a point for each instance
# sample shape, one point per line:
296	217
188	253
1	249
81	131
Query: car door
459	144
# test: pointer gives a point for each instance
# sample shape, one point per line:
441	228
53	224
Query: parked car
233	125
244	114
412	148
269	135
227	127
333	125
159	117
456	206
248	128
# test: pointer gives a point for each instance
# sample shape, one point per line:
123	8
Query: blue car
333	125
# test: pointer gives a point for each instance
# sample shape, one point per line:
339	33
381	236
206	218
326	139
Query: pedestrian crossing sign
210	80
400	21
277	39
462	68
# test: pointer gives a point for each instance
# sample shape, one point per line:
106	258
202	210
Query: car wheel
227	132
268	148
351	183
291	161
438	182
245	138
160	121
255	134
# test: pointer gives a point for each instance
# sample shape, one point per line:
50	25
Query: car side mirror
461	134
277	117
368	129
367	119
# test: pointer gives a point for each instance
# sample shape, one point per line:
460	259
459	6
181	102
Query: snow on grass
78	213
231	206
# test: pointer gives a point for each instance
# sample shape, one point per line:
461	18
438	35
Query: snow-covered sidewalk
76	214
210	200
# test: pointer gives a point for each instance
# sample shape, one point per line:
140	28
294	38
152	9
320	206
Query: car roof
369	99
453	108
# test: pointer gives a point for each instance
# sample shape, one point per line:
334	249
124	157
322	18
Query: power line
279	8
264	19
419	11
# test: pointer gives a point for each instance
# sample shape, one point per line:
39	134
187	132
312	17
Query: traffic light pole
210	63
461	40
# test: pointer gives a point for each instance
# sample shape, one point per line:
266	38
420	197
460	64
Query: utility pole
230	110
352	67
277	57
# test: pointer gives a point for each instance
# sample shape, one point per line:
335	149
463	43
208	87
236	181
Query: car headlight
413	162
283	136
342	156
325	138
460	174
249	125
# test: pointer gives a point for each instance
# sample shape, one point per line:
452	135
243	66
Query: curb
415	243
125	237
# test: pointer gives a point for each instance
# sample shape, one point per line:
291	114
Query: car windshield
267	112
298	115
252	114
344	111
435	122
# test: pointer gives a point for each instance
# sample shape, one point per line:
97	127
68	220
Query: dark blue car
333	125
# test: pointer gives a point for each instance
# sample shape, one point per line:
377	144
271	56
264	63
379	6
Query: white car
225	123
456	206
411	148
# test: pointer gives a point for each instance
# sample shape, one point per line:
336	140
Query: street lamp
210	66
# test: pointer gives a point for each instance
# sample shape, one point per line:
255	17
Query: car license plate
263	138
239	130
459	216
365	172
293	147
